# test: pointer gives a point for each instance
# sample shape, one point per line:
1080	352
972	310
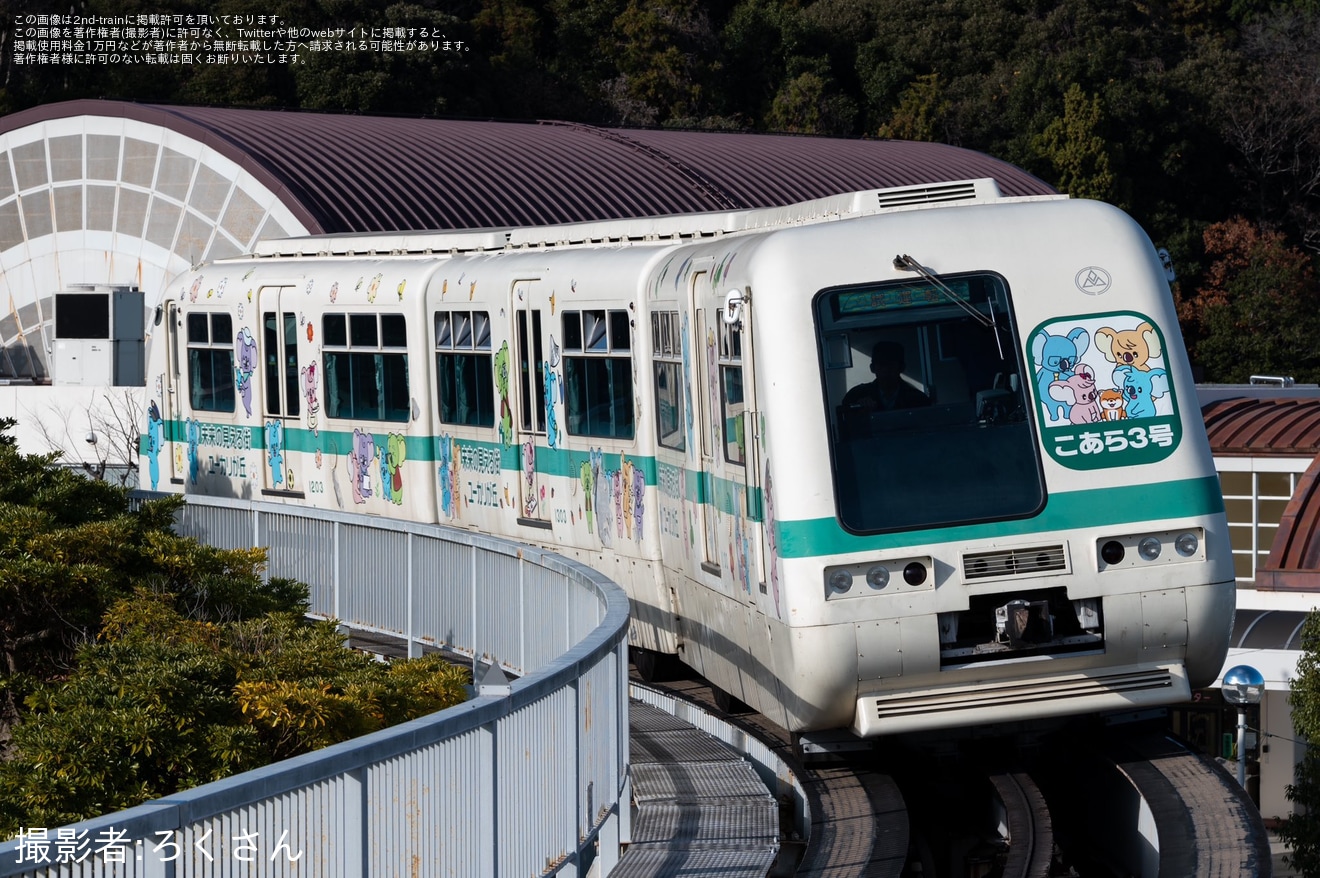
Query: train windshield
926	401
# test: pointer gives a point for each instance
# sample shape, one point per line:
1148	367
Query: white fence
530	783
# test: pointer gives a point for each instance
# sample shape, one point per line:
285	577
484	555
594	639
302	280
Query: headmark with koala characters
1104	390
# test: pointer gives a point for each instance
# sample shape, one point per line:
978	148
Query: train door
723	385
529	316
703	378
281	403
171	413
738	442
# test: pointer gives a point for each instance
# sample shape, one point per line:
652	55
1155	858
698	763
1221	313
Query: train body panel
884	470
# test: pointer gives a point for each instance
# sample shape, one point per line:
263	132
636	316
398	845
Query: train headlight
1149	548
1133	551
1112	552
880	576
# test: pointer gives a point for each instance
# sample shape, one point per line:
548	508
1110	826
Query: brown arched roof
1275	427
1294	562
372	174
1263	427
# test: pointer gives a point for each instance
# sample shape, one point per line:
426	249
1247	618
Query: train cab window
366	367
667	355
464	368
925	400
731	390
598	391
211	342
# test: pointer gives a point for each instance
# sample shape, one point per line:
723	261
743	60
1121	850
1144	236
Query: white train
895	460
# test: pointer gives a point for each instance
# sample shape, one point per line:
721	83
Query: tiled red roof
343	173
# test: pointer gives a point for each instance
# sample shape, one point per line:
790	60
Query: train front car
990	497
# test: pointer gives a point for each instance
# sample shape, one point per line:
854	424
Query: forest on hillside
1199	117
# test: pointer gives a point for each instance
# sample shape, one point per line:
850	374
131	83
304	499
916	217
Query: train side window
292	399
464	368
731	390
211	343
667	354
598	391
531	371
363	330
280	343
334	330
366	367
393	331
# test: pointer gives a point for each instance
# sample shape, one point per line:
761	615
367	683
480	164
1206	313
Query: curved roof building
1279	427
105	192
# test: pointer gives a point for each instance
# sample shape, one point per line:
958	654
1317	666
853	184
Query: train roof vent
1011	563
935	193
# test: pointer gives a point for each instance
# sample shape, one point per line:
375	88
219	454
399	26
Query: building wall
109	200
1279	753
1256	491
64	418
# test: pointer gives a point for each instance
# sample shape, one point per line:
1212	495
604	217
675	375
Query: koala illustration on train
1141	389
1056	358
1129	347
1079	393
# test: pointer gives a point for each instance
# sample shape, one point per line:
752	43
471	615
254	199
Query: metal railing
530	783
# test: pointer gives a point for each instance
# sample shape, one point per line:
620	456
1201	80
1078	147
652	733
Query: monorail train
891	461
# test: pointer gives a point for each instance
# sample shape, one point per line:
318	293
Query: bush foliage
138	662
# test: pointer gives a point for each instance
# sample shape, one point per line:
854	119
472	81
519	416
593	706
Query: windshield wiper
904	262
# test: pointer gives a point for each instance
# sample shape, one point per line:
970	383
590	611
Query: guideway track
1145	804
1200	811
1027	824
859	822
1103	800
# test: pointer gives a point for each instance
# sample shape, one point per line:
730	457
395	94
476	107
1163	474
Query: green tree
753	43
69	547
921	112
1257	309
1270	114
809	104
137	662
1074	144
664	52
161	702
1301	831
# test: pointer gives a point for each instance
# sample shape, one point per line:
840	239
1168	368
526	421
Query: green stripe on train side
796	539
566	463
1064	510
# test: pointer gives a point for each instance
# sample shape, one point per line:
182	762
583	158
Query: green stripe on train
1100	507
796	539
698	487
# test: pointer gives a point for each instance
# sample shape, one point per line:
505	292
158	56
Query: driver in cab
888	392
